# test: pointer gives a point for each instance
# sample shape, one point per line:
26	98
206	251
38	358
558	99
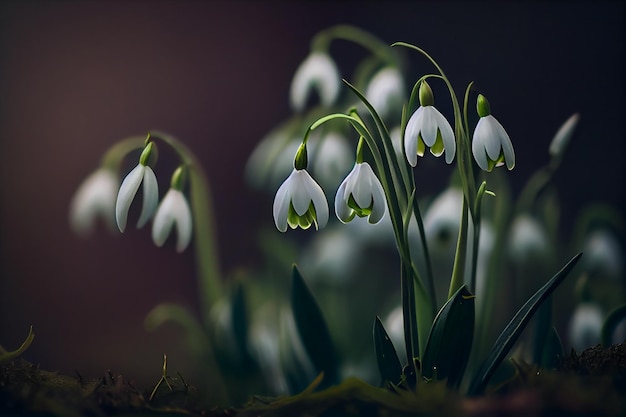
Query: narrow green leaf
512	331
7	356
386	356
450	339
313	330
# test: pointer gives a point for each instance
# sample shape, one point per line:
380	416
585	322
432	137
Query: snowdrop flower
491	144
563	135
585	326
528	242
360	194
300	201
331	159
141	173
428	127
94	198
317	70
385	91
603	255
173	210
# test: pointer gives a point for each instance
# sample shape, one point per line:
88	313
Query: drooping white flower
318	70
360	194
428	128
331	159
385	91
491	144
300	201
173	210
142	173
95	198
585	326
528	242
603	255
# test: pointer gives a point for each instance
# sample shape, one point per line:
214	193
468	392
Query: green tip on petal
482	106
426	95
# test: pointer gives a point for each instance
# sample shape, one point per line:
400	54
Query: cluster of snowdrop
300	200
102	196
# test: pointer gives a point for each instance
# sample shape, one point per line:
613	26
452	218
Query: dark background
77	76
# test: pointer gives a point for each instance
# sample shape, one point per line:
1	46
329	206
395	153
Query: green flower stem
458	270
321	41
205	238
114	156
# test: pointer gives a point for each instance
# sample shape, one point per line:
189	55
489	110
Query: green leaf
450	339
313	330
386	356
512	331
7	356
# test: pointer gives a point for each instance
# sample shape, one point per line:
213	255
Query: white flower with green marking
427	127
491	144
300	202
317	71
95	198
360	194
141	174
173	211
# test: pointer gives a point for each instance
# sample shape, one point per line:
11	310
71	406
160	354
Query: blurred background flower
77	76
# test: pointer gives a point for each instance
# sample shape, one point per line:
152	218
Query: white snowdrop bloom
360	194
300	201
95	198
386	91
318	70
528	241
140	174
428	128
585	326
491	144
563	135
331	159
603	255
173	210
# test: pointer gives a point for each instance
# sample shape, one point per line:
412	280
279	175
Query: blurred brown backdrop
77	76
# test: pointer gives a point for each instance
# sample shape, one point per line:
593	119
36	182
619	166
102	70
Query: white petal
183	224
492	140
410	140
378	197
316	194
447	134
150	197
126	194
95	197
173	210
300	195
317	69
428	125
342	210
281	203
164	219
478	147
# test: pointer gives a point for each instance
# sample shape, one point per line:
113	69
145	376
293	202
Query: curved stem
205	236
113	157
321	41
458	271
